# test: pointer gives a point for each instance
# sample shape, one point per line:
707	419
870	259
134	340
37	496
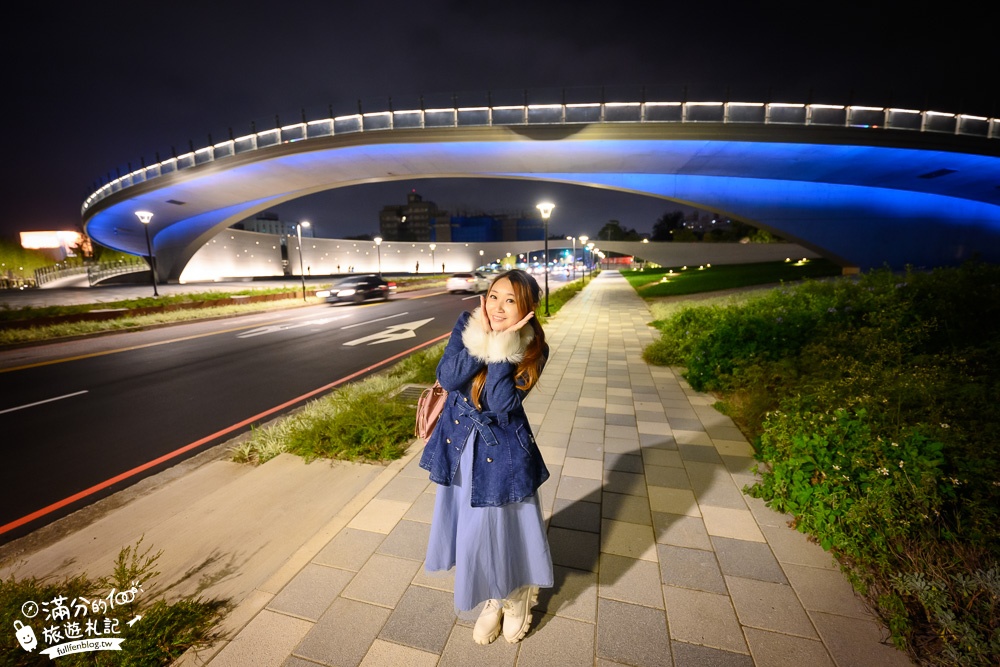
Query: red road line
37	514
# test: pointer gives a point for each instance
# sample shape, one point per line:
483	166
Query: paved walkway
659	557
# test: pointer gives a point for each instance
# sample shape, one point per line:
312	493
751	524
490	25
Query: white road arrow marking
260	331
395	332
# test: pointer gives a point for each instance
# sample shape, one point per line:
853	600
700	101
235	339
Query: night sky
91	87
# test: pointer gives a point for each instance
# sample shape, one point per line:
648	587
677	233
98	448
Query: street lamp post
573	269
302	271
378	247
433	245
583	247
590	247
144	218
546	209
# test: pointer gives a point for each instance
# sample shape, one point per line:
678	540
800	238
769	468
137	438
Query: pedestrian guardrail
95	272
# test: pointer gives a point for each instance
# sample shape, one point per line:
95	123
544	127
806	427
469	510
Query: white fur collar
495	346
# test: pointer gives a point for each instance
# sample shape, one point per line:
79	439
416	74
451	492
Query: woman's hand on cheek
484	319
524	320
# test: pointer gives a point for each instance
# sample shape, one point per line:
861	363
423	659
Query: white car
467	282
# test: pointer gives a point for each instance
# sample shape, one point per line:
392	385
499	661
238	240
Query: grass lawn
674	281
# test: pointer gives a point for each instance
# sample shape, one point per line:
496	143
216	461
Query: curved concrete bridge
863	186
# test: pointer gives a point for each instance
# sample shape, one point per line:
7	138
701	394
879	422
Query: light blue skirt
494	550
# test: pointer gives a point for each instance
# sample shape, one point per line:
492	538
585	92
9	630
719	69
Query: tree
764	236
613	231
685	235
666	225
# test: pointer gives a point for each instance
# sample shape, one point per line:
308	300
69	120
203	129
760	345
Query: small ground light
788	259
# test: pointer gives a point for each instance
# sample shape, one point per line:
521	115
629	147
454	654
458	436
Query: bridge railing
95	272
104	270
771	113
48	274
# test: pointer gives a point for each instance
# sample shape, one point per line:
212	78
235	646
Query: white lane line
47	400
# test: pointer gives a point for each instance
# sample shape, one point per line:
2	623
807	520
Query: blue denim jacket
507	466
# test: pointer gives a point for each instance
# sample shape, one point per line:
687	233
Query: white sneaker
517	613
488	625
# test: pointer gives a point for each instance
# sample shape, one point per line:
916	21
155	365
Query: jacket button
448	440
465	399
456	421
489	460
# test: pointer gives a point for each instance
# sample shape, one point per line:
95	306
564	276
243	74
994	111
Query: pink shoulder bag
429	408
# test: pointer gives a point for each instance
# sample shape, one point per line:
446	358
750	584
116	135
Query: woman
487	520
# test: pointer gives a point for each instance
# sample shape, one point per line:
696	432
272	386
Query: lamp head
305	223
144	216
378	240
546	209
583	239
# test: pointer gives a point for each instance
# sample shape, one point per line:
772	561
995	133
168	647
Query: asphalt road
80	420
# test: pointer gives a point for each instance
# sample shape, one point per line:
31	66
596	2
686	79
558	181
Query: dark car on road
356	289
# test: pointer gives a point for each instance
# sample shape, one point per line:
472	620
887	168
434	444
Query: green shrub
856	492
956	589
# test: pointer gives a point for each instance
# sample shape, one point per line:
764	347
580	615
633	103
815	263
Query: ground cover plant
133	318
164	631
362	421
672	281
873	404
8	314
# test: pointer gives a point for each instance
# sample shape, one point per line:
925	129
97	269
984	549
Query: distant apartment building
423	221
486	228
414	221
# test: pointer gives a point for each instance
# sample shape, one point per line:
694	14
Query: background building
422	221
485	228
414	221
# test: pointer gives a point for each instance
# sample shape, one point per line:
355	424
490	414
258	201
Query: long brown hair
526	296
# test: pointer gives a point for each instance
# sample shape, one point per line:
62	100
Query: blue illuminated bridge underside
859	196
